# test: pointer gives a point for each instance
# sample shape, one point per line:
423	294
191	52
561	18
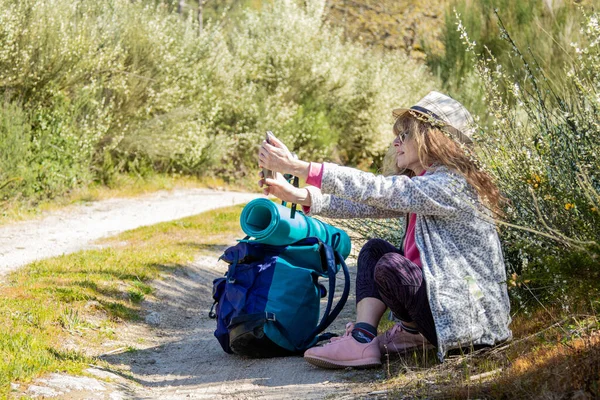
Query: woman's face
406	154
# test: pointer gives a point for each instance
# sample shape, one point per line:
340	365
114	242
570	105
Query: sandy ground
177	356
75	228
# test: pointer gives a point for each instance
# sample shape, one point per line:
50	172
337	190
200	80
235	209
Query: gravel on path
177	356
76	227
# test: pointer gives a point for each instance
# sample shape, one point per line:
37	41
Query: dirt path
75	228
176	355
182	359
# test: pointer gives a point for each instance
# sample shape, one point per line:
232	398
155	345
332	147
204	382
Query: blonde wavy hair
436	147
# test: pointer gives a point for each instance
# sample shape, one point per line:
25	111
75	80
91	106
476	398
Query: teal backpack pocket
268	303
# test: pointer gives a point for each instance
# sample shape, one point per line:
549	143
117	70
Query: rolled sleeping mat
271	223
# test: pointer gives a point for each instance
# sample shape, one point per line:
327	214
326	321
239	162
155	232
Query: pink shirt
315	174
410	247
314	178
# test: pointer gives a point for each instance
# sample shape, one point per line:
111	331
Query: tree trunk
180	6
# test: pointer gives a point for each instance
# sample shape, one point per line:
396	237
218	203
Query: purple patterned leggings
385	274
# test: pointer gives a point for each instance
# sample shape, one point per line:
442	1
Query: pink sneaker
345	351
397	340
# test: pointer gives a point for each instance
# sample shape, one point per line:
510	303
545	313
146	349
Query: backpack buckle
270	316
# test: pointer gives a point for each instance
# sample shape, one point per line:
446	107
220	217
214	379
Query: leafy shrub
543	149
117	86
14	142
545	29
325	97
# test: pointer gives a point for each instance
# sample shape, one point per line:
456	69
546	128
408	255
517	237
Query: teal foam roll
271	223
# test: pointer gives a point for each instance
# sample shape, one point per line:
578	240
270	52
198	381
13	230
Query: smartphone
267	173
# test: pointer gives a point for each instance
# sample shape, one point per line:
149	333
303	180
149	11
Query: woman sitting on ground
447	282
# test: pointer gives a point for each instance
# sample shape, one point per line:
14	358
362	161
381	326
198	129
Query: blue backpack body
268	303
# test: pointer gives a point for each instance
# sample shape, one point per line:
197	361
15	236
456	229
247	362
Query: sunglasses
402	137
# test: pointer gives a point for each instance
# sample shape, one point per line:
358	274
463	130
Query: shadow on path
186	361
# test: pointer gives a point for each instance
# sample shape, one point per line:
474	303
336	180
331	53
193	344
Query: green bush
325	97
15	136
117	86
542	29
542	147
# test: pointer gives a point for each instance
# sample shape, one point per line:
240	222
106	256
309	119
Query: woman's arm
331	206
438	193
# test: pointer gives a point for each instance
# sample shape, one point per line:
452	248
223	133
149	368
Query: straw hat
446	111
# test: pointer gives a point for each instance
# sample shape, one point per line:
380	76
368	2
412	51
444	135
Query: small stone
102	374
14	386
93	304
36	390
153	318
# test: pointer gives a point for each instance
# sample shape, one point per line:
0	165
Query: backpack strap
332	258
291	178
266	316
293	212
231	269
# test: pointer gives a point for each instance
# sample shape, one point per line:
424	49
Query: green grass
82	297
555	353
548	358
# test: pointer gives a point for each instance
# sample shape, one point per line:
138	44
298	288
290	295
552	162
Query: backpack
268	303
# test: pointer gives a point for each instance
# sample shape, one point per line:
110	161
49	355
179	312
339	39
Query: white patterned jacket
458	244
